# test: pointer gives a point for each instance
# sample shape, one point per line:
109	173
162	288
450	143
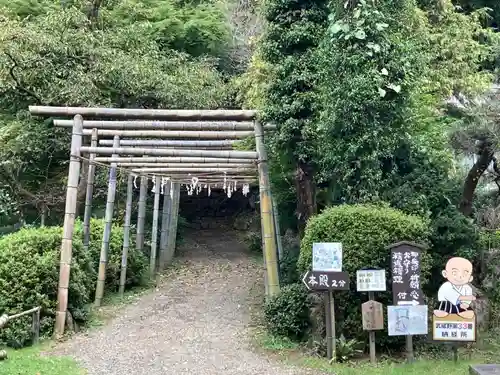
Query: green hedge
365	231
29	273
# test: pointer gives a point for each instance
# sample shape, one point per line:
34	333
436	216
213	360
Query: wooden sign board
453	328
373	315
405	267
324	281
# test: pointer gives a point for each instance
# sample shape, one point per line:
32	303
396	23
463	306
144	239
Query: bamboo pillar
266	214
126	234
108	219
276	217
172	231
266	284
154	234
69	224
165	223
90	191
141	214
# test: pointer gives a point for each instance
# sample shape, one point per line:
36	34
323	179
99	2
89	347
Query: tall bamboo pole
194	170
108	220
154	234
141	214
165	222
266	283
170	159
153	114
165	125
169	143
69	224
189	165
198	134
266	213
171	152
174	219
279	242
126	234
90	191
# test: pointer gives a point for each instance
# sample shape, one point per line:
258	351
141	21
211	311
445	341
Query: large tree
292	34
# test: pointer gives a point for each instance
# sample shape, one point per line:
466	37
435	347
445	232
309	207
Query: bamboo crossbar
171	134
171	159
185	165
165	143
169	152
164	125
156	114
27	312
193	170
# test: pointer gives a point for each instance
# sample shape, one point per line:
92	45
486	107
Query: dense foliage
29	275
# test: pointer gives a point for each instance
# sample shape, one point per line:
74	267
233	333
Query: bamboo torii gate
174	155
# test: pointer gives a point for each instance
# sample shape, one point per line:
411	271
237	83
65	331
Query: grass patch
28	361
419	367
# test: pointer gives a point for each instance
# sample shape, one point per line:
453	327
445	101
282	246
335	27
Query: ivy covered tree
292	34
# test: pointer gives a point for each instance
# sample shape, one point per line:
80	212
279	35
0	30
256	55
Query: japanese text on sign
370	280
406	286
407	320
454	331
317	280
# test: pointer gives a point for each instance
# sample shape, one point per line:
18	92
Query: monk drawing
455	295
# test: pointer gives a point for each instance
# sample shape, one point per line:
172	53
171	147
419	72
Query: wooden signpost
327	276
406	292
371	281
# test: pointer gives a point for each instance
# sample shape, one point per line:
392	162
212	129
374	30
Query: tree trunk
306	195
485	158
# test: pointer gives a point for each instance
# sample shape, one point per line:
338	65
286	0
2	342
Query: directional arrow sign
323	281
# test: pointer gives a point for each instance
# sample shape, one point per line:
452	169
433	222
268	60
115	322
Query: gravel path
195	323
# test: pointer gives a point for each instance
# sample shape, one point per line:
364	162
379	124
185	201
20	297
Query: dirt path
196	323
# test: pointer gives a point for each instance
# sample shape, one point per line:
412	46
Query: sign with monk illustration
453	318
405	267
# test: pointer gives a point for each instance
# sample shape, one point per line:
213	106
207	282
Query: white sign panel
370	281
327	257
454	330
407	320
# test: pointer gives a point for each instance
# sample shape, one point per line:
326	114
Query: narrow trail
196	322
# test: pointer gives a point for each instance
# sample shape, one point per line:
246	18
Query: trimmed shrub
136	265
364	231
287	314
29	273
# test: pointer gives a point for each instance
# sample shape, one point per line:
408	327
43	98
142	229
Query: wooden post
68	227
371	335
126	234
108	221
141	214
154	234
279	243
330	325
266	214
409	348
172	232
165	223
36	326
90	191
